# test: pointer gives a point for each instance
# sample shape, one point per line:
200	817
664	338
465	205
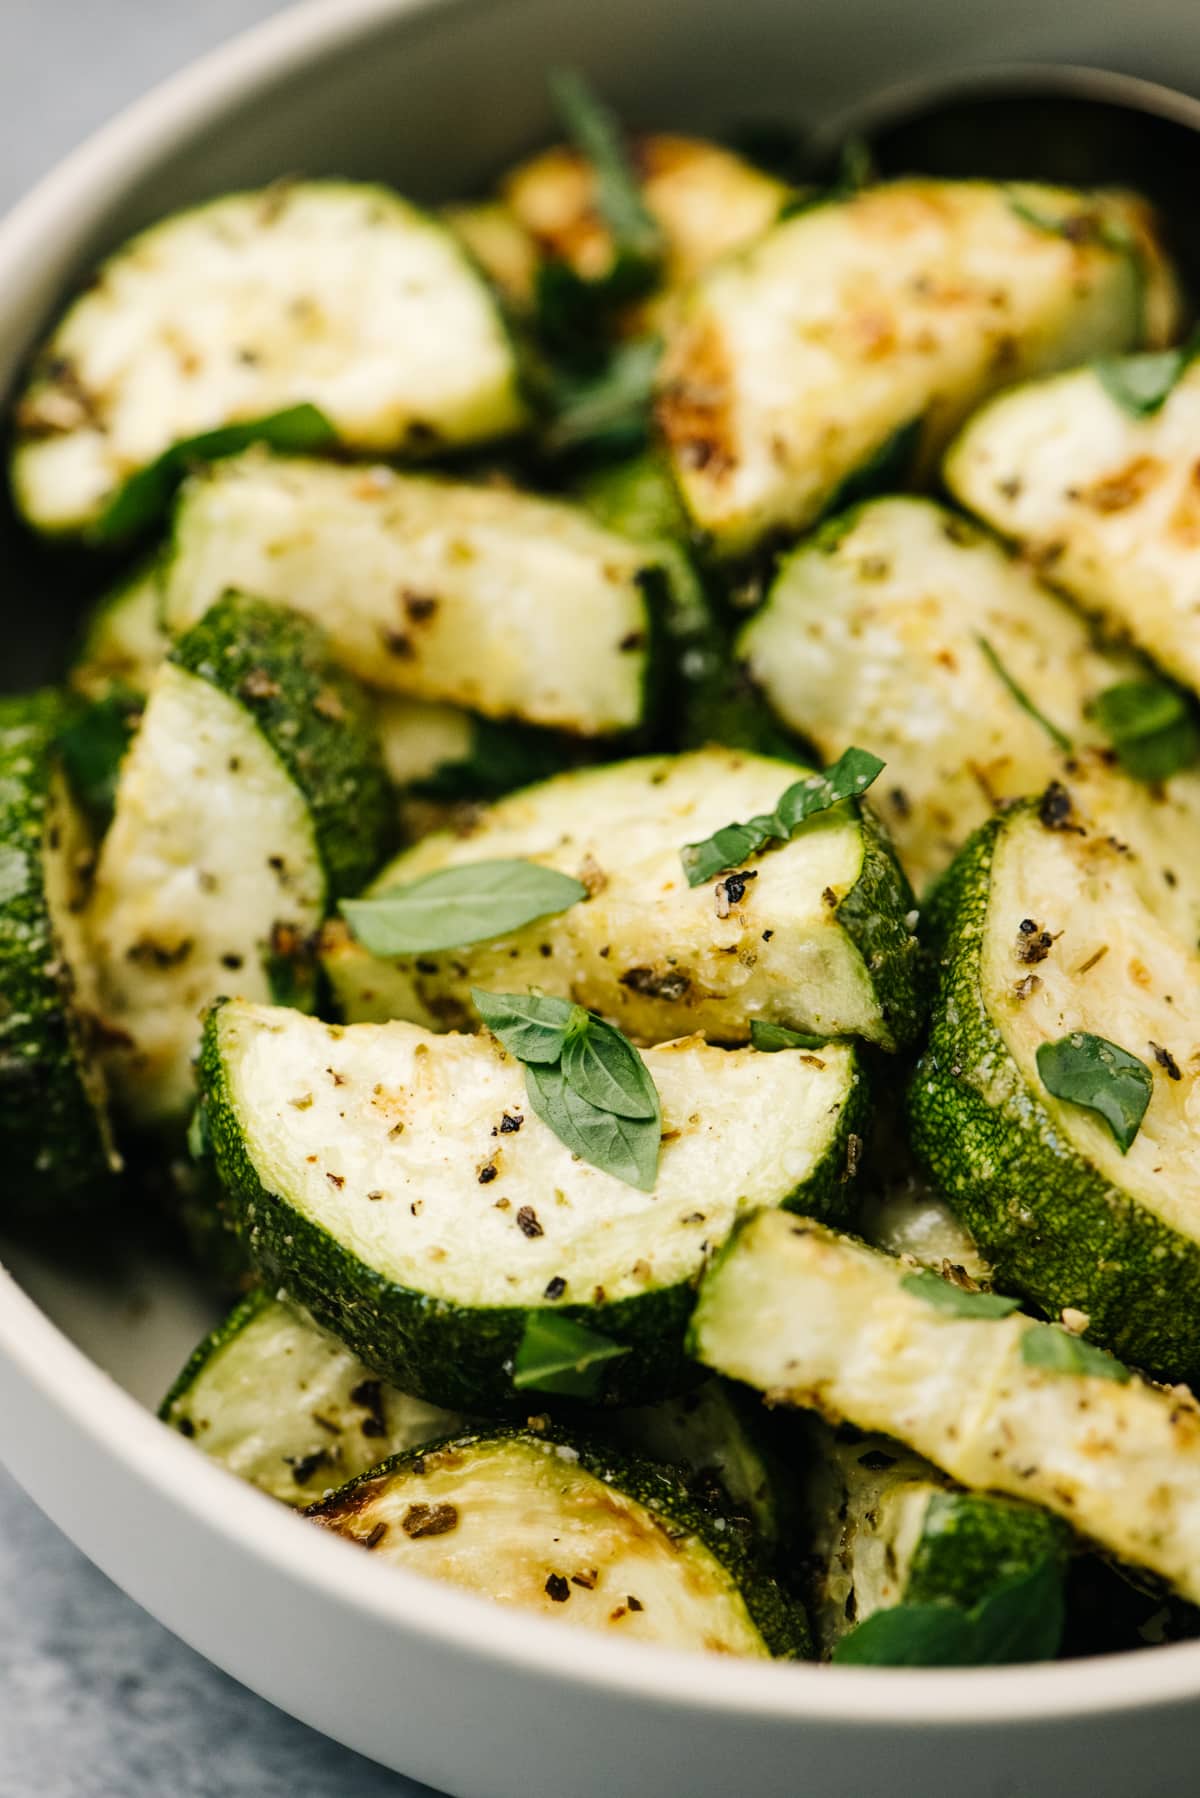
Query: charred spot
670	986
420	607
527	1222
731	890
369	1394
900	803
557	1588
1166	1061
488	1174
232	961
1033	943
555	1288
510	1124
397	644
304	1466
632	640
147	953
1056	810
429	1520
336	1180
376	1536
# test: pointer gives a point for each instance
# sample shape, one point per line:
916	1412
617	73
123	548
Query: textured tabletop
96	1701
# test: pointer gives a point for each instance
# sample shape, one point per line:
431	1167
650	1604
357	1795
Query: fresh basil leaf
1021	1620
730	846
558	1355
607	410
597	133
627	1148
92	743
771	1037
1056	736
1090	1071
1142	384
1052	1347
956	1299
531	1027
1151	727
458	906
604	1068
145	496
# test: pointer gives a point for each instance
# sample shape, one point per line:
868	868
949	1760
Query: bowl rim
81	185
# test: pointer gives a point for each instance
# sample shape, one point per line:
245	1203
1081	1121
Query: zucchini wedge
572	1531
910	1219
498	601
124	641
252	796
401	1188
888	1529
283	1405
902	627
54	1129
816	1319
1050	923
238	309
794	363
495	239
1104	498
820	940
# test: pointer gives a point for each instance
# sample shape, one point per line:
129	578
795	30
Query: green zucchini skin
316	719
972	1543
1052	1227
461	1356
778	1617
54	1131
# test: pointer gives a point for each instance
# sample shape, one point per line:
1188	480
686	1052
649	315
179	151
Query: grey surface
96	1701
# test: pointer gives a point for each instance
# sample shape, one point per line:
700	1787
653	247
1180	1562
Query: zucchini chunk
571	1531
817	1319
1104	499
706	200
283	1405
889	1529
714	1437
124	641
400	1186
241	308
794	363
910	1219
496	239
817	939
498	601
1051	923
252	796
54	1129
895	627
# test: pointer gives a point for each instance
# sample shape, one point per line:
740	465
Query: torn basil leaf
597	134
1100	1076
625	1147
531	1027
558	1355
729	847
458	906
1020	1621
1150	725
605	1069
1142	384
1050	1346
946	1296
605	411
1056	736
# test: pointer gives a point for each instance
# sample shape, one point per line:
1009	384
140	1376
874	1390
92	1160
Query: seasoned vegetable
481	597
715	1437
325	1135
282	1404
795	362
811	933
1065	957
1092	474
909	1218
901	627
124	641
241	308
891	1534
252	796
817	1319
574	1532
54	1130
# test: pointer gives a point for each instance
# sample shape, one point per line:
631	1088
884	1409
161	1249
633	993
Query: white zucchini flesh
283	1405
211	846
340	295
125	641
815	1319
911	1219
871	634
379	1133
794	362
1103	908
519	1521
418	737
645	948
1108	503
500	245
498	601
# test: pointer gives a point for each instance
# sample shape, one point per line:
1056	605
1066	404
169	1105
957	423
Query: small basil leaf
556	1354
532	1028
1151	727
1052	1347
908	1635
607	410
1056	736
458	906
1142	384
604	1068
1022	1620
597	133
956	1299
733	844
627	1148
146	494
771	1037
1102	1077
